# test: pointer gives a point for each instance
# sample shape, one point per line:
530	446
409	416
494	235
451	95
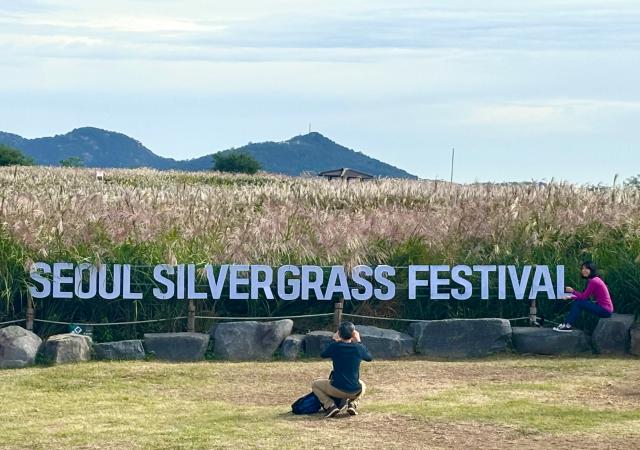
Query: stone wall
251	341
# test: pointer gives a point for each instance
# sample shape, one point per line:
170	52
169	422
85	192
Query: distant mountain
306	153
311	152
96	148
13	140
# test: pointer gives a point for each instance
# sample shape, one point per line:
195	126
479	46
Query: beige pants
324	391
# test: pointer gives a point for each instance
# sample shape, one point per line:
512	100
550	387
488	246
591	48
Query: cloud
120	24
27	6
199	32
563	115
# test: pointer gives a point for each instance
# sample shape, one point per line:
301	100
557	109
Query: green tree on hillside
633	182
10	156
236	162
72	161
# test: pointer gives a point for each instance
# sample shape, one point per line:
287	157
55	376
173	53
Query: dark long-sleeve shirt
346	357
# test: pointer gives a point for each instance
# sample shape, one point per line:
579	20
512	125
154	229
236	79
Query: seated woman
603	307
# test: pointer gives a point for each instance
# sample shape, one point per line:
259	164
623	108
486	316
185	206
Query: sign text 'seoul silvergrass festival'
288	282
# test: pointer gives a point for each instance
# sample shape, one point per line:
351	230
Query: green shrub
235	161
10	156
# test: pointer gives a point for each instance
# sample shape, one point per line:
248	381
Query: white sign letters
64	280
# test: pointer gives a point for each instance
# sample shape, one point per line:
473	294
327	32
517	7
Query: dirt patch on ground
375	431
395	382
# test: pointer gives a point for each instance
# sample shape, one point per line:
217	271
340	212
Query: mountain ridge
311	152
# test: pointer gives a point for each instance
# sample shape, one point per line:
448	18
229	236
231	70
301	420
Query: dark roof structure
345	174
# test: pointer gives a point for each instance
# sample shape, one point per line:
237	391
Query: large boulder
316	341
119	350
67	348
383	343
293	346
634	347
461	338
176	346
545	341
612	335
18	347
242	341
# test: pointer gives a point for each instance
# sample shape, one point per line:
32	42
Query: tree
633	182
72	161
235	161
10	156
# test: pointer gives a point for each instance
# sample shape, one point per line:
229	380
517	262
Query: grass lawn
530	402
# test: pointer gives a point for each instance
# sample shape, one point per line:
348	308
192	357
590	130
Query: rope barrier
384	318
265	318
103	324
358	316
413	320
12	321
107	324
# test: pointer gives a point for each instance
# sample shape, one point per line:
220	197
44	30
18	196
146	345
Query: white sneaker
563	328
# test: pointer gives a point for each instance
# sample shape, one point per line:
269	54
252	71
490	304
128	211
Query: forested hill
311	152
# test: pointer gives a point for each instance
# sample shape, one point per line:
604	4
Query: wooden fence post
337	313
191	319
30	313
533	314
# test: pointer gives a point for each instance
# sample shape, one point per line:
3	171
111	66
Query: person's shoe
352	408
341	403
564	328
332	411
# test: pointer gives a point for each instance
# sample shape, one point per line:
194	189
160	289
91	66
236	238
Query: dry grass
260	218
494	403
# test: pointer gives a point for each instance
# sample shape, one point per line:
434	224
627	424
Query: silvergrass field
148	217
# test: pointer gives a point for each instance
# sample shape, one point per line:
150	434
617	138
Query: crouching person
346	353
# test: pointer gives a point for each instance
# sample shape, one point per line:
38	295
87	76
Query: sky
526	90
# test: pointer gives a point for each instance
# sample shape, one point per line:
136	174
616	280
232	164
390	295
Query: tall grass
148	217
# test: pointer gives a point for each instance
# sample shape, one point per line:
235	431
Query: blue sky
523	90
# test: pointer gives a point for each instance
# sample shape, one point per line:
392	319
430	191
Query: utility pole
309	127
453	156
